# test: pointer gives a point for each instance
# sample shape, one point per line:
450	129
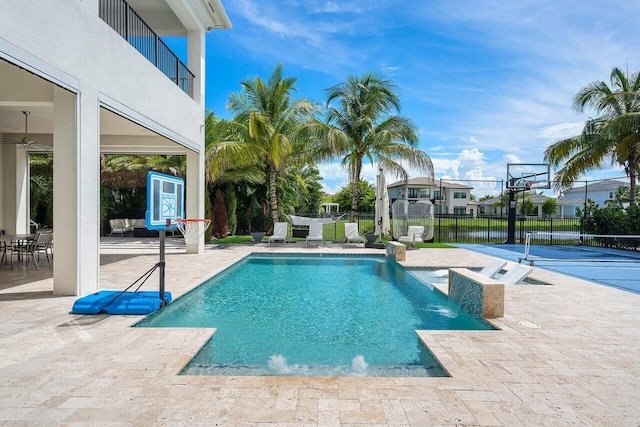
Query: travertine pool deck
566	354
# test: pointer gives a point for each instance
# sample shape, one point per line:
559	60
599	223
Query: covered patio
54	128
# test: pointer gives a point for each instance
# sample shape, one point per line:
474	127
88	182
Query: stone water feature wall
479	295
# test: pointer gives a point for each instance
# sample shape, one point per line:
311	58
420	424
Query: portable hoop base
192	229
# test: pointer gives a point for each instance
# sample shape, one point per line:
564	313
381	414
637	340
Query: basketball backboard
165	200
528	176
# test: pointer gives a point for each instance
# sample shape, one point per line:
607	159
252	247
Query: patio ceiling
22	91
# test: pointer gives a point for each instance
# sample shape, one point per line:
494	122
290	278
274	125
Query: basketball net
192	229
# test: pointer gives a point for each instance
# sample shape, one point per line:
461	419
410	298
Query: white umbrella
382	206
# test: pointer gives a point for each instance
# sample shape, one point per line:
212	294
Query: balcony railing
126	22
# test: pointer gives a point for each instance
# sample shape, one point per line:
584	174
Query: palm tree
613	135
362	126
270	125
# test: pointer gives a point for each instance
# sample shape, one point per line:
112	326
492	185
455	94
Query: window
413	193
459	195
424	194
459	210
436	194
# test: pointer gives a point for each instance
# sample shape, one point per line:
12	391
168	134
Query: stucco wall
70	36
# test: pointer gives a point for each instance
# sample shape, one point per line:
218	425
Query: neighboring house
566	208
96	79
447	197
600	192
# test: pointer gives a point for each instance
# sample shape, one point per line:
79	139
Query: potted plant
369	235
257	236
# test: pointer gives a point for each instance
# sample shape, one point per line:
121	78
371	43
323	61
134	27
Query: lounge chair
351	233
315	233
515	274
414	234
279	232
117	227
488	270
493	267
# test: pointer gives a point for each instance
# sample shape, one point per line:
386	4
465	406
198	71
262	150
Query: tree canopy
614	134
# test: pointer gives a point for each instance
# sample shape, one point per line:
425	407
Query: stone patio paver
580	366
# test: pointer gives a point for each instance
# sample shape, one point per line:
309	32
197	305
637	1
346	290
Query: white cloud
472	156
561	131
512	158
334	7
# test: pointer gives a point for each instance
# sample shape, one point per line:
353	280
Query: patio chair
117	227
315	233
351	233
279	232
29	248
45	247
515	274
414	234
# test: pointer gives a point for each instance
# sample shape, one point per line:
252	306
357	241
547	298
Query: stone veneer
396	251
476	293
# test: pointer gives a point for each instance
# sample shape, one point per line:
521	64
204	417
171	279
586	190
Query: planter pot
371	238
257	236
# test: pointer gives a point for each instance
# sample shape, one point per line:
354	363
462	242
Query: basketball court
610	267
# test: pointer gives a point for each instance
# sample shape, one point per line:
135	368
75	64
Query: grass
434	246
233	239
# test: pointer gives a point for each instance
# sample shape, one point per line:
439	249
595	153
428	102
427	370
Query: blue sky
486	82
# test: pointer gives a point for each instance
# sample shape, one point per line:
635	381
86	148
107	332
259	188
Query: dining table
20	239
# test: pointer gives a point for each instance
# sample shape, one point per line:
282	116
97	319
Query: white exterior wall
70	36
451	203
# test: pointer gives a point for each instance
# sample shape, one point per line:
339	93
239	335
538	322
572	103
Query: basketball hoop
192	229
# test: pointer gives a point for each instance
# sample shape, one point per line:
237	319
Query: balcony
126	22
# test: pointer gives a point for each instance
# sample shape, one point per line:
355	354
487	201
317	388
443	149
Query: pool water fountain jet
359	366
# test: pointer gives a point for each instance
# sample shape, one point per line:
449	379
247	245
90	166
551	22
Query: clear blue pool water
314	315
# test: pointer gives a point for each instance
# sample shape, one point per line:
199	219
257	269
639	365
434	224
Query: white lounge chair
515	274
315	233
489	270
279	232
493	267
351	233
414	234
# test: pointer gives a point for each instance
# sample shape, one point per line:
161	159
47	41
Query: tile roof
423	180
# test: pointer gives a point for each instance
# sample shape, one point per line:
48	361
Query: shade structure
382	221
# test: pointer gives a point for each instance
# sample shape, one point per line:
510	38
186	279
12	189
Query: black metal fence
126	22
447	228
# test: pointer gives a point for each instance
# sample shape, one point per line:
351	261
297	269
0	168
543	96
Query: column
195	194
15	192
196	63
195	186
75	193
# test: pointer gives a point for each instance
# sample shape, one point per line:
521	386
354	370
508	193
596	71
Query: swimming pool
322	315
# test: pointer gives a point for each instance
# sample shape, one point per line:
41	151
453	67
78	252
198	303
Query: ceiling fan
26	142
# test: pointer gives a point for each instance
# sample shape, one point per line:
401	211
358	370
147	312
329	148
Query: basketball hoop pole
162	232
511	227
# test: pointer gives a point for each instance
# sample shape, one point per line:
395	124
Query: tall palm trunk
272	192
634	159
356	189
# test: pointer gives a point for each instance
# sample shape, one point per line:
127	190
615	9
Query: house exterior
448	198
96	78
566	208
600	192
